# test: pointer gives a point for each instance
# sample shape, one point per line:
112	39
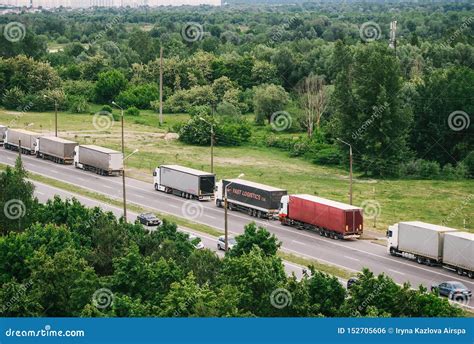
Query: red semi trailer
329	218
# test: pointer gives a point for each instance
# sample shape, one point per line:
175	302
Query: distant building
105	3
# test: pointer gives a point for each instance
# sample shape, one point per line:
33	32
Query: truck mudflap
205	198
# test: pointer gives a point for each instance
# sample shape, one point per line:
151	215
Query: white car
221	243
196	241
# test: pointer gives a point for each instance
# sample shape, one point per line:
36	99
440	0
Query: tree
314	100
17	202
267	100
254	236
109	85
205	266
326	294
369	112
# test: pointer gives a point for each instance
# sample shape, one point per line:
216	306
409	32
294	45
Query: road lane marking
351	258
299	242
396	271
209	216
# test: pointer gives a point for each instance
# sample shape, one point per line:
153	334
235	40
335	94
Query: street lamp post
212	142
55	114
226	229
124	193
350	169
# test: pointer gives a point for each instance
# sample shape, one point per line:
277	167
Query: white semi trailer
100	160
56	149
458	252
185	182
433	245
3	133
28	140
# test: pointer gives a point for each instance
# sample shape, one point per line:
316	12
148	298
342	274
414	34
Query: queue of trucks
426	243
93	158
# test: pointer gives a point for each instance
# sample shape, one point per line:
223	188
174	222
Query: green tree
267	100
109	85
254	236
370	115
17	202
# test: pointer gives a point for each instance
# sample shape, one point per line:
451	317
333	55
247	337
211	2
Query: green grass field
434	201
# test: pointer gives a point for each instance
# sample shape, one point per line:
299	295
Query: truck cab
157	180
283	212
392	239
219	194
76	158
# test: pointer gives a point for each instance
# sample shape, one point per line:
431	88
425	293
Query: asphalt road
45	192
351	255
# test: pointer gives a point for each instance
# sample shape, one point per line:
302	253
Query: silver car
221	243
196	241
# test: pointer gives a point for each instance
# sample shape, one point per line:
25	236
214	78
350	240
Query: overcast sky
87	3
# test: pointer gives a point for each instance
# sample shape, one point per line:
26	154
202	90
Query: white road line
299	242
209	216
396	271
140	196
351	258
40	193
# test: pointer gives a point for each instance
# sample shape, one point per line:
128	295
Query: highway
351	255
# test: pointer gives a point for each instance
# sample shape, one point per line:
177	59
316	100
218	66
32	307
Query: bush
13	98
140	96
200	110
328	156
132	111
233	134
184	100
227	109
106	108
79	88
468	163
109	85
78	104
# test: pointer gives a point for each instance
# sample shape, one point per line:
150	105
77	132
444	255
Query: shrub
13	98
227	109
328	156
140	96
82	88
109	85
468	163
106	108
132	111
78	104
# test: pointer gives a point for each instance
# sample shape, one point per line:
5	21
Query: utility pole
350	169
161	86
226	229
393	36
56	117
123	171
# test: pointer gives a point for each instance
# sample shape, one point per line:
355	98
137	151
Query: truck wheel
470	274
392	251
156	187
419	260
460	272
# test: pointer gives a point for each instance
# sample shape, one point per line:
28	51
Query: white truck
417	240
100	160
433	245
56	149
3	133
185	182
29	140
458	253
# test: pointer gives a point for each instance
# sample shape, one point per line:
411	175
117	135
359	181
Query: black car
453	290
149	219
351	281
